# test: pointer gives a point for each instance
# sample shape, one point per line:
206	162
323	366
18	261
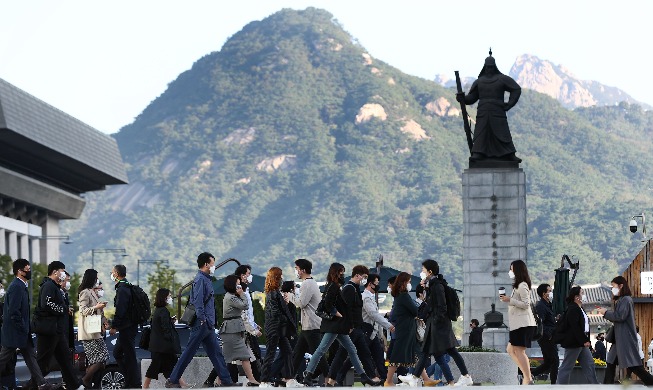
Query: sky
104	62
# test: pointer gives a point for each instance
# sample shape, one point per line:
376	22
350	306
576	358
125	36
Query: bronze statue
492	141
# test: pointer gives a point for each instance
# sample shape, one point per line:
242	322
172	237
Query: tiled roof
597	294
28	119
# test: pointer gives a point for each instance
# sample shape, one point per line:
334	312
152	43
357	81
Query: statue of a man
492	139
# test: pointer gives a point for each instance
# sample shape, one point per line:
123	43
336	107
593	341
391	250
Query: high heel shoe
366	380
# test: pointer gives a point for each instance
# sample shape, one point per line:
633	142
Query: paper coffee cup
502	291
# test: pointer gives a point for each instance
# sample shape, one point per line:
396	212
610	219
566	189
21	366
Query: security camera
633	226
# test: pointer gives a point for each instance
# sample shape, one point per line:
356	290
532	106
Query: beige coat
519	308
87	300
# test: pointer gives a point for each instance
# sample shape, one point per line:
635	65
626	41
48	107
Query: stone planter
577	377
488	367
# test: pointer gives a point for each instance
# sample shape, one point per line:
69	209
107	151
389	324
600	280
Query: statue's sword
463	107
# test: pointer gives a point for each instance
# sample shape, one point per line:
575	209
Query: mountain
293	141
556	81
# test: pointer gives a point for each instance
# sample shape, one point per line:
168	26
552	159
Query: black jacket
122	302
476	337
599	350
354	301
333	298
574	325
544	310
277	316
52	304
164	337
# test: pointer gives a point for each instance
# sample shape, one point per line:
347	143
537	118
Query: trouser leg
325	343
62	355
643	375
213	349
587	365
376	350
194	341
568	362
460	362
30	361
300	349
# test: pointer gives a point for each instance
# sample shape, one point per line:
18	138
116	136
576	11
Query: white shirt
587	321
639	346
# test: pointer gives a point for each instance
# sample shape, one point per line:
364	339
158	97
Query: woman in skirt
164	340
94	346
232	330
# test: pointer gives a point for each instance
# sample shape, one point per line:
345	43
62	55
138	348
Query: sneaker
308	378
409	379
293	383
464	380
170	385
265	384
432	382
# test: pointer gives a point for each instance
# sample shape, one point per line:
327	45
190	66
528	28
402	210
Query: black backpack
140	305
453	302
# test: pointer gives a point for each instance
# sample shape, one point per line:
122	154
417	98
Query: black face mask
375	287
341	280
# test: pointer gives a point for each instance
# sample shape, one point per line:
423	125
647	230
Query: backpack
561	329
140	305
453	302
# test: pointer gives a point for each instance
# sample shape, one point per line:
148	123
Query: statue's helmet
490	61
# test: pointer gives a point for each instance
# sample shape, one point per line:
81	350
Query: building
48	160
643	302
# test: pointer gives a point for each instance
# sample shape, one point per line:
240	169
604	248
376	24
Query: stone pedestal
494	235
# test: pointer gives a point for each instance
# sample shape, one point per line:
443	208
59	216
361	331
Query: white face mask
297	274
250	278
583	298
364	281
615	291
62	276
97	283
511	274
2	292
422	275
550	295
67	287
211	269
409	287
100	293
113	277
169	301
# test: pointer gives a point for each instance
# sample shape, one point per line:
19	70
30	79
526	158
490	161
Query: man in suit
16	325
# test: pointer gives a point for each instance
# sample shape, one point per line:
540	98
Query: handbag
539	328
189	315
421	330
321	311
144	342
93	323
609	335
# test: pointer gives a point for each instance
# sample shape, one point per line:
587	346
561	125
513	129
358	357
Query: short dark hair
305	265
288	286
121	270
625	290
475	321
573	292
242	269
54	266
360	270
391	280
371	278
431	265
230	283
541	289
161	298
599	335
203	259
19	264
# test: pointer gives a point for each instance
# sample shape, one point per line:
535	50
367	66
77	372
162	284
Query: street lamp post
146	261
122	251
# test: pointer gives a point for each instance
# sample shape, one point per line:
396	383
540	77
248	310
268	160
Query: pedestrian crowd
338	329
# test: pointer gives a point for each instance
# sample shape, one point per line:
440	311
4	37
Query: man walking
544	309
126	327
309	298
373	322
202	329
16	325
52	308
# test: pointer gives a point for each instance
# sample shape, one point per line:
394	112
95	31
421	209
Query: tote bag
93	323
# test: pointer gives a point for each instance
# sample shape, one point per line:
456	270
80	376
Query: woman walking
276	317
337	328
624	351
576	339
164	340
404	310
520	318
94	346
232	329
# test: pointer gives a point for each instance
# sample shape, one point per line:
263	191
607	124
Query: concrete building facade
48	160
